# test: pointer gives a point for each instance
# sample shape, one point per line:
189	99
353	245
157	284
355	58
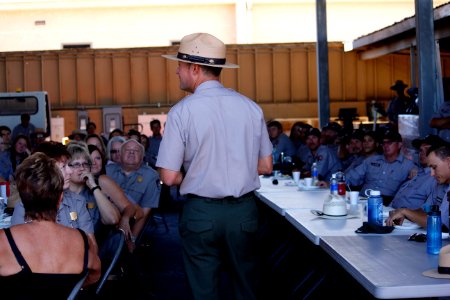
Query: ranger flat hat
202	49
443	269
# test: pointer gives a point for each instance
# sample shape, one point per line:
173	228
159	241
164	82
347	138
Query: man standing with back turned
220	139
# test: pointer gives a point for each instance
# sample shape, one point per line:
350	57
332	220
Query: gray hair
112	140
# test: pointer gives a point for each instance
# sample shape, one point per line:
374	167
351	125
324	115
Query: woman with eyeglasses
112	191
82	182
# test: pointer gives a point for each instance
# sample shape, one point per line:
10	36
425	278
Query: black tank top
29	285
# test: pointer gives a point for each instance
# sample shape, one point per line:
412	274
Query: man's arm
417	216
265	165
440	123
170	177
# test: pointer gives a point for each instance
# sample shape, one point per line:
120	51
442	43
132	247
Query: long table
387	265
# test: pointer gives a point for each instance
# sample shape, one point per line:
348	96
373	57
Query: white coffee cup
308	181
296	176
353	197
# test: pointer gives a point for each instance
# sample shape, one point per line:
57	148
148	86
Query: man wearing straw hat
220	139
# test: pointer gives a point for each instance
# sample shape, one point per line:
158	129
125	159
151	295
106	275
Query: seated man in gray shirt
140	182
414	192
438	158
385	172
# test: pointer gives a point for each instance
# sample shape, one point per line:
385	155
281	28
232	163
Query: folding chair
77	288
109	253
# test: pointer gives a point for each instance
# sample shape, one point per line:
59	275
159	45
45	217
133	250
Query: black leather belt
228	198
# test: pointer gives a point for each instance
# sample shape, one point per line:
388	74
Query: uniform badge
73	215
140	179
90	205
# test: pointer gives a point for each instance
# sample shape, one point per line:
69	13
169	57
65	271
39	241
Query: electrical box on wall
83	119
112	119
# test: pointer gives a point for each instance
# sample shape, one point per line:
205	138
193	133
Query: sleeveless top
28	285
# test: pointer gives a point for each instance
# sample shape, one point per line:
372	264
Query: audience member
329	135
25	127
222	151
399	103
154	142
113	149
112	191
9	160
414	192
91	128
297	135
384	172
95	139
139	182
78	135
115	132
280	142
5	134
72	211
325	157
82	182
37	137
350	149
441	118
133	134
370	146
42	259
439	163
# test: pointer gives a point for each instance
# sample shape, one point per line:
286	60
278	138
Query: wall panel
282	78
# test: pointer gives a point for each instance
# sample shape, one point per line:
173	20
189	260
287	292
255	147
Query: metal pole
322	64
426	64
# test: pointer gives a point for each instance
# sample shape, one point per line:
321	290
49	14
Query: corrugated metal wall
280	77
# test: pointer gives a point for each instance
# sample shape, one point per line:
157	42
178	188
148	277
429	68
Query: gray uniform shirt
141	186
72	213
440	198
443	112
377	173
218	135
326	159
414	193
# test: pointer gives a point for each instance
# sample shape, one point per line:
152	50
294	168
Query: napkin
371	228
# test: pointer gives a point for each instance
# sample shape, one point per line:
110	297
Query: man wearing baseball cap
219	137
384	172
325	157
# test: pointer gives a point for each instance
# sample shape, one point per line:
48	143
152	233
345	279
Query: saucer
310	188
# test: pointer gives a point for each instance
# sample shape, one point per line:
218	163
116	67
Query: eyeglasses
79	165
114	151
418	237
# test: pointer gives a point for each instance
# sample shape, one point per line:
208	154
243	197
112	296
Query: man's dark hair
440	151
275	124
53	150
155	122
4	127
211	70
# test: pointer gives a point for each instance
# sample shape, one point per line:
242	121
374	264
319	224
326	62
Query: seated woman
42	259
82	182
114	193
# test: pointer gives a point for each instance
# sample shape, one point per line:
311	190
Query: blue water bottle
434	234
333	185
375	208
314	173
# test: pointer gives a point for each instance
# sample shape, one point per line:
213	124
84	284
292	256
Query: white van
36	104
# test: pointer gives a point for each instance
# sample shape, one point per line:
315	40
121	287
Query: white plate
349	216
290	183
310	188
407	225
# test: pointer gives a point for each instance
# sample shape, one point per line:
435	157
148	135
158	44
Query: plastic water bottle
375	208
333	185
434	234
314	173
